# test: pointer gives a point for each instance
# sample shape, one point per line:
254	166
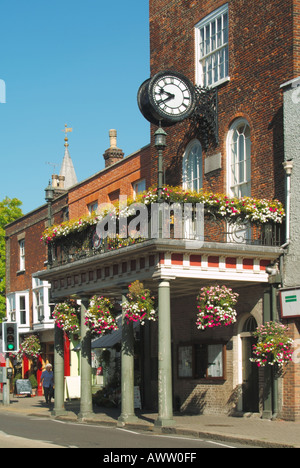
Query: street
75	435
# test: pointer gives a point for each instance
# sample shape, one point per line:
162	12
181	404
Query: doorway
250	387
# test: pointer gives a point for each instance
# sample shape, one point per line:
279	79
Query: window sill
203	380
219	83
20	272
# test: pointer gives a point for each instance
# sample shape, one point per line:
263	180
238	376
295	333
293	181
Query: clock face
172	96
168	97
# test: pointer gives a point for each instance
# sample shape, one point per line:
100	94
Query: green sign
290	303
291	298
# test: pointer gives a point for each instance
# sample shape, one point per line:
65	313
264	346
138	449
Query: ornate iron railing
87	243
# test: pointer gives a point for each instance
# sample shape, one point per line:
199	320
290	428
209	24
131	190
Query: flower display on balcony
67	316
233	210
30	348
68	227
140	305
216	307
274	347
99	317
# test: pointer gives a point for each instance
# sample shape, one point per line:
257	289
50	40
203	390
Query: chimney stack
113	154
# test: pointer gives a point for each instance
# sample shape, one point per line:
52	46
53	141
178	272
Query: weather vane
66	131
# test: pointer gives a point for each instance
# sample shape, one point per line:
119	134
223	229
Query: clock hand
162	101
162	91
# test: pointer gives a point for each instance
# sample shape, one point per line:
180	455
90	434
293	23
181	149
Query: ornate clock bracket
205	115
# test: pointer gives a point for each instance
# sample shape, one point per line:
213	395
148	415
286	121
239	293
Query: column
59	402
270	385
86	404
165	398
127	371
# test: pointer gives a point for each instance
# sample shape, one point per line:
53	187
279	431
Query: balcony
191	233
191	238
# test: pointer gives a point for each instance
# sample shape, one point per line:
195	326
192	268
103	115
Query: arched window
250	325
239	159
192	166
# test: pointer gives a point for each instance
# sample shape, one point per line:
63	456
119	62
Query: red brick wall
296	35
118	177
260	60
32	225
291	382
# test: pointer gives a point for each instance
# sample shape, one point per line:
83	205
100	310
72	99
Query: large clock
168	97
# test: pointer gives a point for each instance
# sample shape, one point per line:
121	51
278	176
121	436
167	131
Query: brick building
245	50
29	300
234	144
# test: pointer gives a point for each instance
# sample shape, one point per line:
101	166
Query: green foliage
9	211
33	381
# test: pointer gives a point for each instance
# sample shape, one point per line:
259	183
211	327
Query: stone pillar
165	398
86	404
59	368
127	371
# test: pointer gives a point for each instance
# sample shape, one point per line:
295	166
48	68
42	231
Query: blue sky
68	62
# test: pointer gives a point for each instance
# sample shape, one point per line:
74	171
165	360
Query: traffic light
10	336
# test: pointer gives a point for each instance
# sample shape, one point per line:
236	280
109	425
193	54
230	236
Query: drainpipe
288	167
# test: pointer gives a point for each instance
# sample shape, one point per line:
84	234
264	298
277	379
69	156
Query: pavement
247	429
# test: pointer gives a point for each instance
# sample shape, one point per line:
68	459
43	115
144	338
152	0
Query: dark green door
250	378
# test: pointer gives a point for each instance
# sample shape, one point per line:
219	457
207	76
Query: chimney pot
113	154
113	138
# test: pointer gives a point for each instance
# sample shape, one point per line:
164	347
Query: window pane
219	33
215	360
22	303
192	168
207	39
213	35
226	73
225	28
200	361
202	42
240	147
185	365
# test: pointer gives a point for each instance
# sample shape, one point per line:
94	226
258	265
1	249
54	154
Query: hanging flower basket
274	347
30	348
98	316
216	307
140	304
67	316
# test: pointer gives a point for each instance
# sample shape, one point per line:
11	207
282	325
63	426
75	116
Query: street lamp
160	145
49	196
288	167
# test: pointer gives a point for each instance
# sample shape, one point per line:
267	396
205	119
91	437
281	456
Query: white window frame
193	159
14	310
41	289
212	48
22	254
138	186
239	184
11	307
93	207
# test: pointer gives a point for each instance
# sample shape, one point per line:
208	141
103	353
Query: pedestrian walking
47	381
